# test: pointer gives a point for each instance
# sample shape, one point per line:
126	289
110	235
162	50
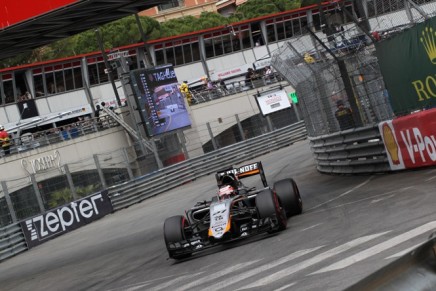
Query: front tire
289	195
268	206
174	231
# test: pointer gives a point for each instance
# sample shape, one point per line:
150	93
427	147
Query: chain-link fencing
335	71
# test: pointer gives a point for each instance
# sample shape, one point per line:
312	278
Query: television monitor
157	94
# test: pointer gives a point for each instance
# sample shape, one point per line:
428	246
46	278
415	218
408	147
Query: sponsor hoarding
408	64
272	102
58	221
157	94
15	11
410	141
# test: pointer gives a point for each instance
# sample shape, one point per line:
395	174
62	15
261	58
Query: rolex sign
408	65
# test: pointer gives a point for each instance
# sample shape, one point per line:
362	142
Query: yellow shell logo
428	40
391	144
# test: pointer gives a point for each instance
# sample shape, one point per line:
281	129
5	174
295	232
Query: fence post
70	182
241	131
100	172
37	193
211	136
9	201
269	123
129	168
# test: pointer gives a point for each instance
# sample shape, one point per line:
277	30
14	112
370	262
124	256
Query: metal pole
108	66
182	141
9	201
70	182
148	61
100	172
156	154
269	123
241	130
128	166
37	193
215	147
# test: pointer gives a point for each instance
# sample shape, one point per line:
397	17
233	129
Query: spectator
344	115
184	88
5	140
268	73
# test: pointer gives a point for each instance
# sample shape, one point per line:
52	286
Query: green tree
256	8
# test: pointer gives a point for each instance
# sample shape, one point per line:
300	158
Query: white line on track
310	227
378	248
286	287
402	253
215	275
343	194
430	179
176	281
231	280
381	199
314	260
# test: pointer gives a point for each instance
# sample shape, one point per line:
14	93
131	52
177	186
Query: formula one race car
234	213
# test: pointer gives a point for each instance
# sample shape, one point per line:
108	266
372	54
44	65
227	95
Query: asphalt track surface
350	227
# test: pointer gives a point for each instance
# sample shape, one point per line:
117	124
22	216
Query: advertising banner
58	221
408	65
159	98
410	141
272	102
15	11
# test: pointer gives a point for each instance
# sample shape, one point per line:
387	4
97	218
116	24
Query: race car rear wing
244	172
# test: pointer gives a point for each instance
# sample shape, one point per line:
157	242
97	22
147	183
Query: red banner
410	140
15	11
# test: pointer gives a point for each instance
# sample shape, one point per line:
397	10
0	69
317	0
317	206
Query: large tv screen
158	96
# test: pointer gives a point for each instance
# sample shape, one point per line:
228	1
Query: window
59	80
93	74
208	45
69	79
195	52
170	56
160	57
178	56
8	89
102	76
218	46
38	82
78	80
271	33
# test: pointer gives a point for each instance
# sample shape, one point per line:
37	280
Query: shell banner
410	141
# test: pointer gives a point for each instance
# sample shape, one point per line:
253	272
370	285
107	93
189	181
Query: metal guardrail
354	151
170	177
12	241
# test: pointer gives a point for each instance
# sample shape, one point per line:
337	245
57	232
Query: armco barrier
355	151
12	241
415	271
176	175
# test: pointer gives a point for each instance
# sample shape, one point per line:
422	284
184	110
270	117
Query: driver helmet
2	127
226	191
230	179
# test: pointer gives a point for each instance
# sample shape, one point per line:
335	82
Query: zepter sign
58	221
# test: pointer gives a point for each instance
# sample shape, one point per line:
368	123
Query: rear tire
268	206
289	195
174	231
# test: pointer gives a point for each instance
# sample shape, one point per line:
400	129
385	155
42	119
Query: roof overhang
65	22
